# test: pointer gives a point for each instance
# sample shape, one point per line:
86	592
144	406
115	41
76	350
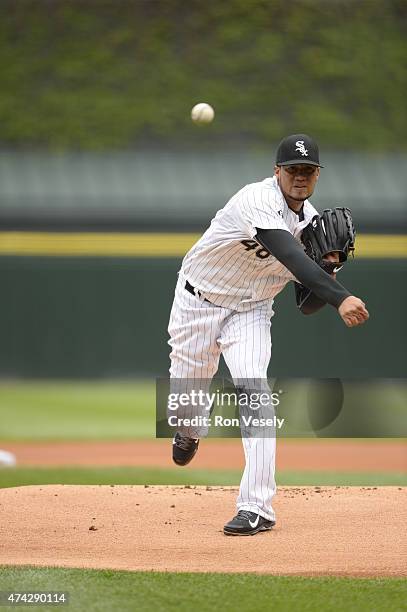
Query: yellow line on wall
82	244
115	244
381	245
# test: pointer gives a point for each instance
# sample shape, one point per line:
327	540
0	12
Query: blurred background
99	155
105	182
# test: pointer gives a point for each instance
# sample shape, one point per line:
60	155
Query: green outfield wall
68	317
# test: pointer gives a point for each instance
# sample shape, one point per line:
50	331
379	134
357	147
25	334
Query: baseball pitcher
267	235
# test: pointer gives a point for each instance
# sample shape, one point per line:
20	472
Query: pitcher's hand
353	311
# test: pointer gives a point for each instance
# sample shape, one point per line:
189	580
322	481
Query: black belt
191	290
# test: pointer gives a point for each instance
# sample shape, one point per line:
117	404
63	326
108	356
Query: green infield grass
106	590
77	410
105	410
13	477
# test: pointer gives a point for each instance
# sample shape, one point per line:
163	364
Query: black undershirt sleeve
283	246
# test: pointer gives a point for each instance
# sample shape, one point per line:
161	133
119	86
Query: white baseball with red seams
235	281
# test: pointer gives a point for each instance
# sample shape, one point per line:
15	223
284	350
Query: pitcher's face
297	181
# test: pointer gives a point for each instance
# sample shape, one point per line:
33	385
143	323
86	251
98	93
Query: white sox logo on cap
297	149
301	148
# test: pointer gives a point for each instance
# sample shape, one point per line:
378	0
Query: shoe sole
249	533
185	463
181	463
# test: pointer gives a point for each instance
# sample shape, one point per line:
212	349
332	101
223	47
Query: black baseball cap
298	149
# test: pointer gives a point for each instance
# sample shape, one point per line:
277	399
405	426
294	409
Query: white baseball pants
199	333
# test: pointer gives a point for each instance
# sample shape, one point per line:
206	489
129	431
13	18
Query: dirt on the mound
320	530
320	455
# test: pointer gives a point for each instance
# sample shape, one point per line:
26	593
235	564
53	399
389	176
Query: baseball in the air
202	113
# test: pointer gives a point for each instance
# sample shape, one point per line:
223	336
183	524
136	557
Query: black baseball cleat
183	449
247	523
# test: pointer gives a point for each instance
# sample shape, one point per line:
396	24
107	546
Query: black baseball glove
332	231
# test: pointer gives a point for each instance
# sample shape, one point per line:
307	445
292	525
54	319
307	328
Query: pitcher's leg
246	346
257	486
194	329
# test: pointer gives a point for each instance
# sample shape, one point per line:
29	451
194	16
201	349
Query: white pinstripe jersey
227	265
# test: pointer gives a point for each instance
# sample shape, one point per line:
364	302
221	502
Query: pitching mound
320	530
